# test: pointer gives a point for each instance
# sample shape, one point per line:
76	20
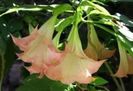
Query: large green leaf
126	32
125	19
128	45
33	83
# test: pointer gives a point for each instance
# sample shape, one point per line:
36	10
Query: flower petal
95	49
106	53
130	64
90	51
24	42
123	66
94	38
41	56
38	48
74	68
47	29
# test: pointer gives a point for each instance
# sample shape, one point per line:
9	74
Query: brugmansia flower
95	49
75	66
126	63
38	48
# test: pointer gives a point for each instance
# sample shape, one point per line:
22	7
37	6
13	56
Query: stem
17	8
122	84
81	87
106	89
106	29
114	79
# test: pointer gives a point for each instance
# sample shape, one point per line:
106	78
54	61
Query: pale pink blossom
75	66
126	63
38	48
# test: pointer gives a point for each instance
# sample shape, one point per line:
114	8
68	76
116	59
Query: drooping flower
24	42
38	48
126	63
75	66
95	49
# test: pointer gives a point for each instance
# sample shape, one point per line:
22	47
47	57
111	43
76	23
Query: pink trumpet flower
38	48
95	49
126	63
75	66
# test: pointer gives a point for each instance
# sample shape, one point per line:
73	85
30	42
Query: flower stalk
114	78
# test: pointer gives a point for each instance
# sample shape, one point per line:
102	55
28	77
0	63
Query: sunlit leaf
125	19
95	6
128	45
126	32
97	13
63	23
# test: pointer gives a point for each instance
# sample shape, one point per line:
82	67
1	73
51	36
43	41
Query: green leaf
128	45
95	13
99	81
63	23
60	26
125	19
18	8
91	88
62	8
33	83
95	6
104	21
126	32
